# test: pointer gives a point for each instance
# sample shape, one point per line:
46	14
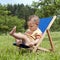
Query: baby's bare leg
24	38
21	36
18	41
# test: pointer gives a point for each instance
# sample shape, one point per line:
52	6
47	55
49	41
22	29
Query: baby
33	34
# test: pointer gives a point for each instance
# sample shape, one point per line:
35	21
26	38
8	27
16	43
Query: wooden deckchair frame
49	36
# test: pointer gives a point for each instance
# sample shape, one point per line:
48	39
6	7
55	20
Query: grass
10	52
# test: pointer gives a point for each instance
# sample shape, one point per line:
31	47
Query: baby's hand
31	44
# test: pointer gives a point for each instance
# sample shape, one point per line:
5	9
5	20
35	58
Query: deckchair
44	26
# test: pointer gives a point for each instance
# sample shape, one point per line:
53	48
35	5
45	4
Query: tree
47	8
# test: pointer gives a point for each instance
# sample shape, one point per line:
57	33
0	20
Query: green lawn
10	52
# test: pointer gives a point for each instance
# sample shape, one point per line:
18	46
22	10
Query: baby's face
32	26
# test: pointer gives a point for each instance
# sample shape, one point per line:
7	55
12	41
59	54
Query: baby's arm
38	37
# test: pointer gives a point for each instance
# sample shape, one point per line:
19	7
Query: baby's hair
34	18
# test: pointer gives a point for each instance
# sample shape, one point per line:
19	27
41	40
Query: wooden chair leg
50	39
43	49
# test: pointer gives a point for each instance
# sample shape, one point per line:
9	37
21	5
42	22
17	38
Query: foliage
10	22
47	7
20	11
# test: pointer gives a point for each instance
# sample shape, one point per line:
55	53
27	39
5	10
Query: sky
25	2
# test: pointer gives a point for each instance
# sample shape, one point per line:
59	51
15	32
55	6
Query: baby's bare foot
13	30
